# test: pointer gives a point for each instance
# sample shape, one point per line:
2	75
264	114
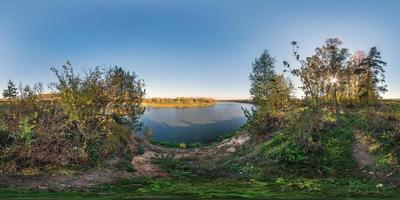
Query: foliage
311	144
380	124
271	95
87	119
297	145
331	76
24	133
371	69
113	92
11	91
312	137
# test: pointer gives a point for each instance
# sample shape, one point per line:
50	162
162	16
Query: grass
149	188
381	127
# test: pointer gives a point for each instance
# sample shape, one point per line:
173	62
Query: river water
192	125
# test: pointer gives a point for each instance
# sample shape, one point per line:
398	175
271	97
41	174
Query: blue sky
187	48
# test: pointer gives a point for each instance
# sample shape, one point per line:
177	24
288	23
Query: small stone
42	187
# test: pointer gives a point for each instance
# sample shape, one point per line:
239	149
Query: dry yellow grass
179	102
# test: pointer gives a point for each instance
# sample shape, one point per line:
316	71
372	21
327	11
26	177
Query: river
194	125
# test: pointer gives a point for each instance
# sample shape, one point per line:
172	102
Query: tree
125	93
271	94
114	93
11	91
322	73
261	78
352	79
372	74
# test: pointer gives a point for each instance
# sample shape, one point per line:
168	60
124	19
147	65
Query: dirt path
360	152
222	149
366	160
145	167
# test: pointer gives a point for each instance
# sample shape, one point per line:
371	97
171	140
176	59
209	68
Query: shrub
86	120
24	133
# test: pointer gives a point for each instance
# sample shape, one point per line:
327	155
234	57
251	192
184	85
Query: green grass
337	143
147	188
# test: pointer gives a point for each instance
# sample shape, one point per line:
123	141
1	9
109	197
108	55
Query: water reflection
194	124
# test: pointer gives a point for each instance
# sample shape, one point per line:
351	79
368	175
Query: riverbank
179	102
207	172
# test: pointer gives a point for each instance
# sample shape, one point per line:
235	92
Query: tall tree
331	75
261	78
352	79
333	59
322	72
11	91
372	71
271	94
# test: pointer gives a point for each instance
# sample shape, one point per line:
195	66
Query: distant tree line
249	101
179	100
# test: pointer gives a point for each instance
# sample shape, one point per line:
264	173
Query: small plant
130	168
183	145
24	134
141	150
149	134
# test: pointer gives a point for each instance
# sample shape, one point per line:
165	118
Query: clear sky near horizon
187	48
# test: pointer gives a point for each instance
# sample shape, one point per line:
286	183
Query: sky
187	48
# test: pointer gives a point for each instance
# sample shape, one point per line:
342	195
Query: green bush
24	133
85	121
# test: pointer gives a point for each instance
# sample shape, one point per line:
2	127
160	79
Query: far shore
177	104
